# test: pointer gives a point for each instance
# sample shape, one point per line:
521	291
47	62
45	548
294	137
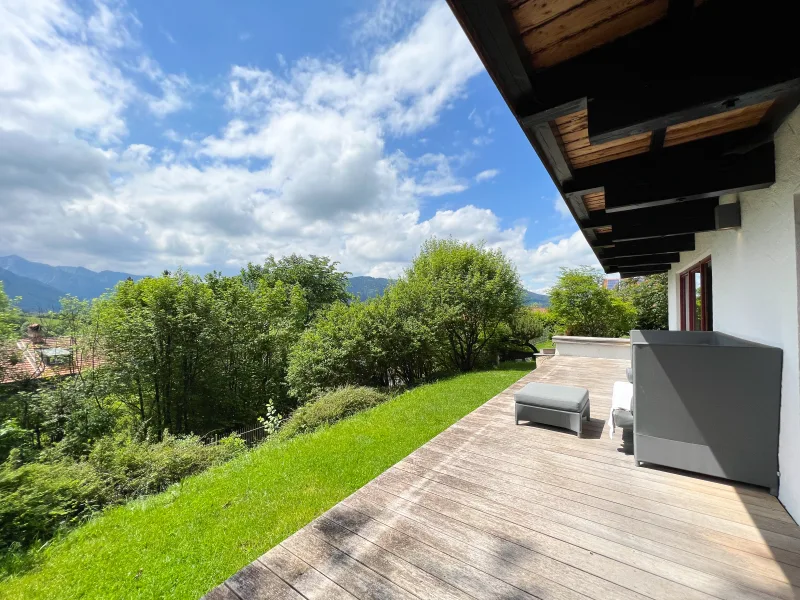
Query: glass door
696	298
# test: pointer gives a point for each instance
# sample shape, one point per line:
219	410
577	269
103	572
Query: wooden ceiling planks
530	14
732	120
574	132
595	201
554	31
528	46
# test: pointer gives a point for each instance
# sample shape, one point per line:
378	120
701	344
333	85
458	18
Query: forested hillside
40	286
184	360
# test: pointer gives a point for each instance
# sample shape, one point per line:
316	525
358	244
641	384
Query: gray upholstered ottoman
557	405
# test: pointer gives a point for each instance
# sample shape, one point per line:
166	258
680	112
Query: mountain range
40	286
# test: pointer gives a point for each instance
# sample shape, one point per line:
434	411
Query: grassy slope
181	543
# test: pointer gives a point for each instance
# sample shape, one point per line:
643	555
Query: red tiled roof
29	363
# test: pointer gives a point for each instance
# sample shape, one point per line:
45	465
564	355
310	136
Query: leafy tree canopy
9	316
318	277
649	296
582	306
469	291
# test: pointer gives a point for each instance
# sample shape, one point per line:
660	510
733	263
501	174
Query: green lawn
183	542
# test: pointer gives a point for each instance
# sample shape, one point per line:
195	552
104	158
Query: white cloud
172	87
172	135
53	84
475	118
487	175
385	19
302	164
169	37
560	206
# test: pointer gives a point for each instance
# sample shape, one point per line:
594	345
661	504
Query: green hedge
331	407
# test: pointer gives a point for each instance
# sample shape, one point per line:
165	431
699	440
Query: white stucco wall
755	287
617	348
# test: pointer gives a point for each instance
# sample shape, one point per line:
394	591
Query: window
696	298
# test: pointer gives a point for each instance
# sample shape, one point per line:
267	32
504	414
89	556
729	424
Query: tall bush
38	499
318	276
330	408
582	306
467	291
649	296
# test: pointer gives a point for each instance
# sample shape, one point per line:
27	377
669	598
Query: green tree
9	316
338	349
467	292
385	341
317	276
524	328
582	306
195	355
649	296
74	316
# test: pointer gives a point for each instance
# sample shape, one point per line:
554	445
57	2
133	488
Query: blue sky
145	135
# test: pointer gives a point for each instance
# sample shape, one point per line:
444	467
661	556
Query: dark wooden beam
658	214
627	274
608	121
678	243
716	166
657	141
663	229
679	69
490	27
553	150
664	221
640	261
596	219
601	240
679	181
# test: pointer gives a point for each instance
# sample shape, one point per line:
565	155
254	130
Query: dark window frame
688	290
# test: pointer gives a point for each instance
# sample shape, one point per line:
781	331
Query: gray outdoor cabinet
707	402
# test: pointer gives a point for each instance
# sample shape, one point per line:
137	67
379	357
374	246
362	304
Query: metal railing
252	436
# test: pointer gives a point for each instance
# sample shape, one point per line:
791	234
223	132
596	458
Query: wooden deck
490	510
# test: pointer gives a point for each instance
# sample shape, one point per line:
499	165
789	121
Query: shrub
38	499
649	296
468	292
135	467
582	306
335	351
331	407
378	343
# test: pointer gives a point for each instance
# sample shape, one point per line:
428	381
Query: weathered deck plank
489	509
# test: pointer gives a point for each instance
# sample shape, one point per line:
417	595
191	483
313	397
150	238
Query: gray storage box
707	402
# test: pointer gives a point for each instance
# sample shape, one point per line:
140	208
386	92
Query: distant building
40	357
610	284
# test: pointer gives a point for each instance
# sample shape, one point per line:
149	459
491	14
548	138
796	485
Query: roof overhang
644	112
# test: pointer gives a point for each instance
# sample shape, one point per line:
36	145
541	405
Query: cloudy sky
145	135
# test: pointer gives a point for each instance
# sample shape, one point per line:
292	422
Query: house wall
755	287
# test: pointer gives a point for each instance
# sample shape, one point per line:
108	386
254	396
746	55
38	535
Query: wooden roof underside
644	112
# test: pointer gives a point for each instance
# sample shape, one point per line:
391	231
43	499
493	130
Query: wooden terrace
490	510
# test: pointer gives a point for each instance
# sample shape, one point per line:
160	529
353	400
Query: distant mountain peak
41	285
25	278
